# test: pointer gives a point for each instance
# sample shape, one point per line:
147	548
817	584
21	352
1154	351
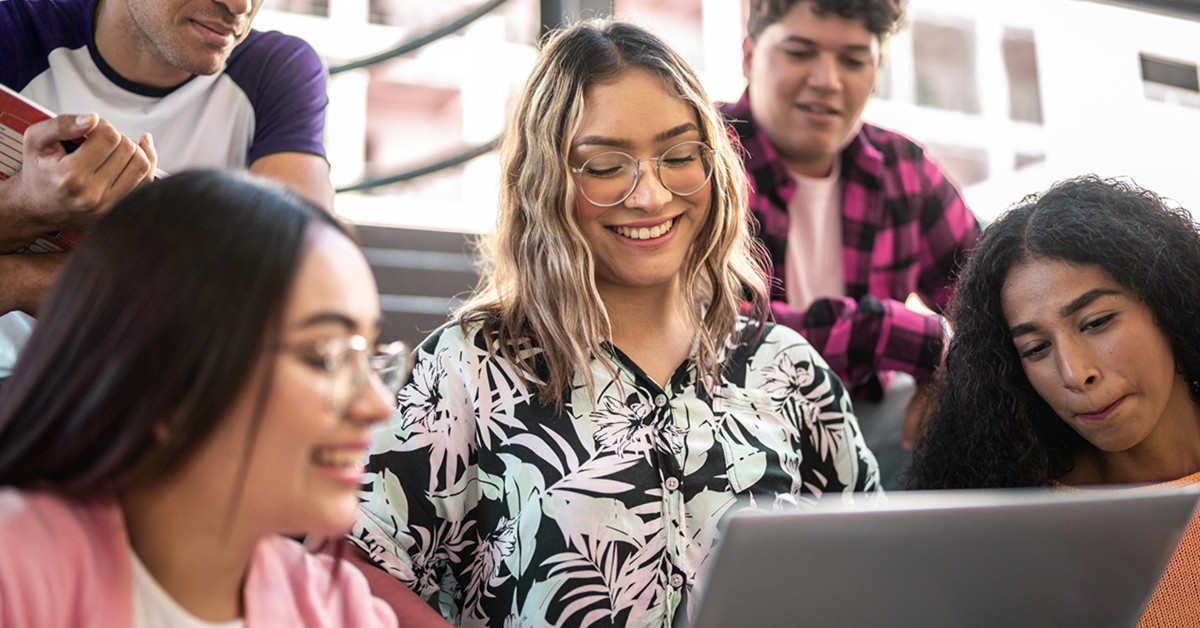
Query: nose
824	74
238	7
649	194
1077	366
374	403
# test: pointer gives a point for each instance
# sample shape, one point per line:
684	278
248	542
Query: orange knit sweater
1176	600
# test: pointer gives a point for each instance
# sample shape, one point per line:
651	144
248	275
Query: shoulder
61	556
279	73
747	335
899	164
45	19
284	82
453	335
783	341
892	145
33	29
321	591
777	346
739	118
33	517
263	53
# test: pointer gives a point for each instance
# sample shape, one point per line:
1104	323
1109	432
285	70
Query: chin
337	520
328	520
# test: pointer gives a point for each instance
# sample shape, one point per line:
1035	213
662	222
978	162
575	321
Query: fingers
147	146
106	167
914	415
136	168
85	175
70	190
912	424
48	135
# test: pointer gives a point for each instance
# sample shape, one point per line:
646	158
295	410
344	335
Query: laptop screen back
966	558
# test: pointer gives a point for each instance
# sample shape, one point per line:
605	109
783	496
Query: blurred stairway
422	277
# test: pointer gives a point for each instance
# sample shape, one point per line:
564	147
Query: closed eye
1098	323
679	162
604	171
310	357
1035	351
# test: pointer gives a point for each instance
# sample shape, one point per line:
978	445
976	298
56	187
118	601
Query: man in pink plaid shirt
855	217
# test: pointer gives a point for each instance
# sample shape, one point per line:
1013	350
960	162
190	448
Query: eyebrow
1075	305
600	140
804	41
336	318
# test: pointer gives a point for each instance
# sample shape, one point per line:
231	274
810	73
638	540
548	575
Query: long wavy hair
989	429
539	283
157	321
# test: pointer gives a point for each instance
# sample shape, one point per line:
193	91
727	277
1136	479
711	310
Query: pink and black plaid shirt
905	229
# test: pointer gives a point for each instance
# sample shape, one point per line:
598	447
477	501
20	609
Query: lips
644	233
217	31
1102	413
819	109
341	458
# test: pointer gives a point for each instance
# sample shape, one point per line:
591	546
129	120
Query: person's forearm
16	227
26	278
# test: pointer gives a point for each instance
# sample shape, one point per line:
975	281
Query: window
963	165
1020	62
944	61
1169	81
309	7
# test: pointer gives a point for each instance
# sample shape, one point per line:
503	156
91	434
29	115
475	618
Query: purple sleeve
30	30
285	82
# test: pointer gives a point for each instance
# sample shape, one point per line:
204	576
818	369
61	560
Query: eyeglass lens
609	178
350	368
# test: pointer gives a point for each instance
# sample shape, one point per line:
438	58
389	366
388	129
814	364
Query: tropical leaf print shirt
504	511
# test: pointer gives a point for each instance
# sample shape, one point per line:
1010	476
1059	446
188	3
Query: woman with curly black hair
1076	356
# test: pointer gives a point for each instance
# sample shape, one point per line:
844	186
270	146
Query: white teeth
343	458
645	233
818	109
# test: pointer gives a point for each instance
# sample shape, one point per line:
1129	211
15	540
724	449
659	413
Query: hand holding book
72	169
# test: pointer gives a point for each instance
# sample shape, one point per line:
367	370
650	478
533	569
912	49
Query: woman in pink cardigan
202	381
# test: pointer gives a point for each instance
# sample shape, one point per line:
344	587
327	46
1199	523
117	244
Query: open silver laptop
952	558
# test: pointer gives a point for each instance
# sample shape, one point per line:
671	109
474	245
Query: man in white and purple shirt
188	78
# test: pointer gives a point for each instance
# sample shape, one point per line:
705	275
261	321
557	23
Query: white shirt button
676	580
672	483
660	400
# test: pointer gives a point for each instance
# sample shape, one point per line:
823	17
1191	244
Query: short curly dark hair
989	429
881	17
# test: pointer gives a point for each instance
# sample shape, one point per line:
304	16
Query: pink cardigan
65	563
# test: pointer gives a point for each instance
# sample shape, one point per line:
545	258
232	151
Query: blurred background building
1007	96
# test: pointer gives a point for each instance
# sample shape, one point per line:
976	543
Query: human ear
747	55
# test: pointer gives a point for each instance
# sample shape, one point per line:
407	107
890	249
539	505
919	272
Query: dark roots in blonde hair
540	284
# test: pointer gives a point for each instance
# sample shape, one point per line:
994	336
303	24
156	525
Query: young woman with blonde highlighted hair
569	443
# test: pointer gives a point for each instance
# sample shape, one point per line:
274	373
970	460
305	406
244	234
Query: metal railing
405	48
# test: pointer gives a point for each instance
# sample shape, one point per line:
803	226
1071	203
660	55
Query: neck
651	326
1171	451
813	169
1094	467
124	48
194	551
